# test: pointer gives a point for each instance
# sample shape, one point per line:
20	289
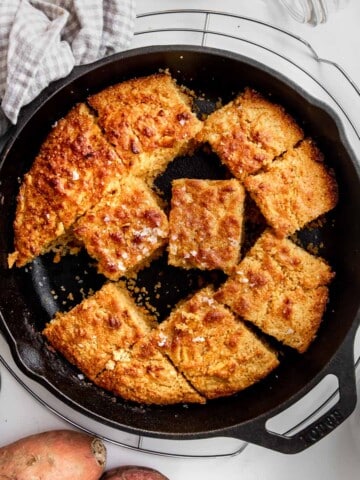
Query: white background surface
335	457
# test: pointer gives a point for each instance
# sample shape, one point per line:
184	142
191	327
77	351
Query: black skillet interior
30	296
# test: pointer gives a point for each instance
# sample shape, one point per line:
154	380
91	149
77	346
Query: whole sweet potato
53	455
131	472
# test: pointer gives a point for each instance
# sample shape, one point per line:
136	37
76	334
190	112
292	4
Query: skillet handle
342	366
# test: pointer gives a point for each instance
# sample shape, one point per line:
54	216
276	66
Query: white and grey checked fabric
42	40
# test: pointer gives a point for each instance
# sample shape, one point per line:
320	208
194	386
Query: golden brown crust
74	168
205	221
296	189
147	376
148	120
213	350
125	230
98	329
280	288
36	226
249	132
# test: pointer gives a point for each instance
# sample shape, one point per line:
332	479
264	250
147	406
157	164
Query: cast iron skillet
30	296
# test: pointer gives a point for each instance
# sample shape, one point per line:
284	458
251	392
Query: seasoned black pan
30	296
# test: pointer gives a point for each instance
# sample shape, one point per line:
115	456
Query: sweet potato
131	472
53	455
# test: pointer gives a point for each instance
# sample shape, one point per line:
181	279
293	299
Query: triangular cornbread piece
125	230
214	350
296	189
99	328
249	132
148	120
73	170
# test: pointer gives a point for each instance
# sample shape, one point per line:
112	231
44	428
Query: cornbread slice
101	328
216	352
296	189
145	375
74	168
37	228
148	120
249	132
280	288
125	230
205	222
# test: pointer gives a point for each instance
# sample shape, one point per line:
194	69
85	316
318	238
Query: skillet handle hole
306	410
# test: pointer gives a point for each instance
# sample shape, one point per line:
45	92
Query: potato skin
53	455
132	472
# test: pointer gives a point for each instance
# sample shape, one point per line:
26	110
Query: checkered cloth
42	40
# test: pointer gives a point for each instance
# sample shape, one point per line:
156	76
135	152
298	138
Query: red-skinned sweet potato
53	455
131	472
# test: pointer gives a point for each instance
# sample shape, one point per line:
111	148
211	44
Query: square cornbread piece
149	121
143	374
296	189
74	168
125	230
205	220
280	288
249	132
215	351
98	329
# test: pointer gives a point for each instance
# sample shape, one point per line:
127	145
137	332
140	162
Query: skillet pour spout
27	302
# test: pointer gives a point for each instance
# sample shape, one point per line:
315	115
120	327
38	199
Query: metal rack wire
205	32
201	27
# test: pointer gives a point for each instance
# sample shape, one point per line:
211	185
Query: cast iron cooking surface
30	296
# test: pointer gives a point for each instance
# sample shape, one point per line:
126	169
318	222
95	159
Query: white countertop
337	455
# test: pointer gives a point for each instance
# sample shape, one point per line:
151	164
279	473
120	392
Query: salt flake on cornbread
280	288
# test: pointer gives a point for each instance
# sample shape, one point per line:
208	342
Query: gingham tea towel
42	40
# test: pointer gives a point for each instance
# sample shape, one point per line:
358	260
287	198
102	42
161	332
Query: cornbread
280	288
249	132
148	120
215	352
92	186
145	375
296	189
205	222
99	329
73	170
124	230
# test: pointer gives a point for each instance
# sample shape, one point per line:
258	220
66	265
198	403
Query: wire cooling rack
295	58
252	37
